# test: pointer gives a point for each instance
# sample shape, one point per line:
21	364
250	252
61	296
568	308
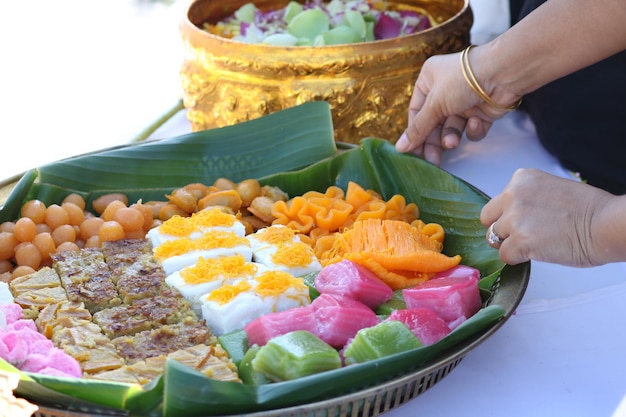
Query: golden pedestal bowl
368	85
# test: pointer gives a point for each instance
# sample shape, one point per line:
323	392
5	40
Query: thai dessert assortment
311	283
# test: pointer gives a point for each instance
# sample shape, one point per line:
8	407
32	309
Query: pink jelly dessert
352	280
260	330
332	318
339	318
453	295
425	324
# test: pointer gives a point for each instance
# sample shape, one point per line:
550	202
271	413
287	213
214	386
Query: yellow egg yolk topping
207	270
275	283
276	234
226	293
184	226
293	254
211	239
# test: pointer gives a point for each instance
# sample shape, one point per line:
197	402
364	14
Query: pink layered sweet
425	324
13	349
453	295
268	326
25	348
12	312
54	362
332	318
339	318
460	271
352	280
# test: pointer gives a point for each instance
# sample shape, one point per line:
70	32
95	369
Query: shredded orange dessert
293	254
209	269
184	226
226	293
276	283
212	239
276	235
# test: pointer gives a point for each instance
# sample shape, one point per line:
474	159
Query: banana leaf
282	141
96	396
295	150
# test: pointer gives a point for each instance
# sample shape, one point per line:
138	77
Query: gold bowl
368	85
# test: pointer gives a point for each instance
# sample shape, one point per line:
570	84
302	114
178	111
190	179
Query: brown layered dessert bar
68	325
134	270
65	314
44	278
211	360
101	359
87	278
162	340
85	342
141	280
35	291
112	311
123	374
119	254
148	369
143	314
141	372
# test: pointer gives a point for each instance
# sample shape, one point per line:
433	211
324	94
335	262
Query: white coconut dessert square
279	248
230	307
194	226
208	274
280	290
179	253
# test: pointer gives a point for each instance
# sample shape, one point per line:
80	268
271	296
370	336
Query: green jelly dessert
247	374
384	339
294	355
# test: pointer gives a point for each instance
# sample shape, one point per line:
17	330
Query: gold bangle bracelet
469	76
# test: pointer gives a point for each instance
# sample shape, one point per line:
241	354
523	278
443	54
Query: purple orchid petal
387	27
423	24
243	28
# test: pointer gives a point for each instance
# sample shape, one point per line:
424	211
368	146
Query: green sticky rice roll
382	340
294	355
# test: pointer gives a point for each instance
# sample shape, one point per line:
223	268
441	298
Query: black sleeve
581	118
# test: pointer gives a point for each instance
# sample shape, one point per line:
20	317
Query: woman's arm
559	37
556	39
552	219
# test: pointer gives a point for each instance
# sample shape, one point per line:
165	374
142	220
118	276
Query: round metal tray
507	292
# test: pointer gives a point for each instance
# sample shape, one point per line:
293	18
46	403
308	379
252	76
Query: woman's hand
552	219
443	106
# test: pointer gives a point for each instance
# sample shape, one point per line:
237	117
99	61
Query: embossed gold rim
447	12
